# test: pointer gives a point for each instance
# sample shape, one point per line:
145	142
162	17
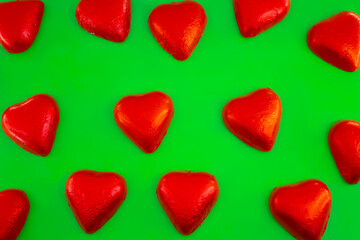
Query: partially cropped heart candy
255	16
145	118
303	208
32	124
108	19
336	40
187	198
255	118
19	24
178	27
344	142
94	197
14	210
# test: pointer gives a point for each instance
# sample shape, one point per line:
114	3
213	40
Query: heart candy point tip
19	24
32	124
254	118
344	143
302	208
14	210
94	197
336	40
145	118
256	16
187	198
178	27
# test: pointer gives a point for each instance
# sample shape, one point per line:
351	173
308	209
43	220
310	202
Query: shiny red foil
14	210
178	27
19	24
32	124
255	16
344	142
255	118
336	40
302	208
108	19
187	198
94	197
145	118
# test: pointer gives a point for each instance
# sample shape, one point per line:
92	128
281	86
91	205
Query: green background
88	75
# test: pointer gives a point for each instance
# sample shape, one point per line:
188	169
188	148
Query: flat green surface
88	75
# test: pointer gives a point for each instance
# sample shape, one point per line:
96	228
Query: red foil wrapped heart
178	27
336	40
108	19
14	210
32	124
255	16
94	197
145	118
344	142
19	24
303	208
187	198
255	118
